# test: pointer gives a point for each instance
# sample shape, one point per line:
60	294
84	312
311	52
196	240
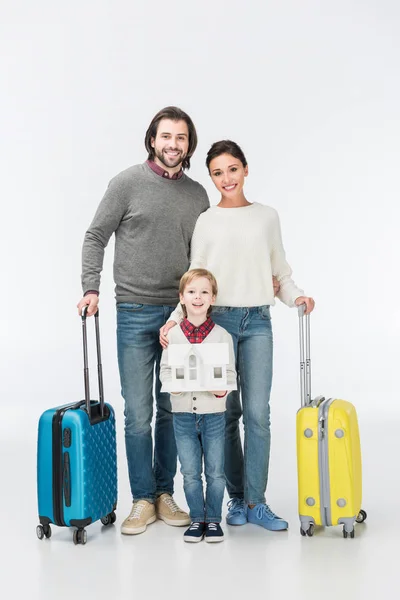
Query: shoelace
170	502
212	526
264	511
136	511
194	526
236	505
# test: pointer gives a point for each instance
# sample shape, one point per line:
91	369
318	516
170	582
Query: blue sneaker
236	512
262	515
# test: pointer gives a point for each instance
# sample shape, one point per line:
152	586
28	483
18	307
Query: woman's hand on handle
309	302
164	332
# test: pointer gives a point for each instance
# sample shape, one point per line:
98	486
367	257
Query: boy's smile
197	298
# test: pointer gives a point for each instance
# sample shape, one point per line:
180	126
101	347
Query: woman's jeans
139	351
247	472
199	436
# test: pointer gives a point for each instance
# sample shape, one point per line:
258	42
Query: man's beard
170	163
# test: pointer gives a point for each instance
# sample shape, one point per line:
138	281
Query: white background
311	92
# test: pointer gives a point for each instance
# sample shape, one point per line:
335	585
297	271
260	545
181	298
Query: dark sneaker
214	533
195	533
262	515
236	512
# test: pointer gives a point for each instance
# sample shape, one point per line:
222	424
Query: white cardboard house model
198	368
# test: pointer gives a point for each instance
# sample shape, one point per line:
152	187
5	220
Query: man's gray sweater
153	220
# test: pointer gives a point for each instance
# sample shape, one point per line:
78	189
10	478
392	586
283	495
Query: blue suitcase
77	460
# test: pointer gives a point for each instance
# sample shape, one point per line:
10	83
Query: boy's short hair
190	276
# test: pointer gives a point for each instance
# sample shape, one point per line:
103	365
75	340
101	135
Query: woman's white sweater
243	249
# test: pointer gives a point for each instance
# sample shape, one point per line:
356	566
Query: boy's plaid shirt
194	334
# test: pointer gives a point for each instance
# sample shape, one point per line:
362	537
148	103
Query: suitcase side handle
305	359
86	366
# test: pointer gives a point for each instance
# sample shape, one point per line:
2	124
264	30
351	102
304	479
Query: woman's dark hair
174	114
225	147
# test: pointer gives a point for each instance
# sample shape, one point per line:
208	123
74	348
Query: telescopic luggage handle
86	366
305	360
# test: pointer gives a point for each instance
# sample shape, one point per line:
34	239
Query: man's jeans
251	332
138	351
197	436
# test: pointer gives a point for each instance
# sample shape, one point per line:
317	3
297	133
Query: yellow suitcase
328	454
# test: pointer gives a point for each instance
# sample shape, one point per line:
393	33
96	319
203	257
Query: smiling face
171	144
197	298
228	175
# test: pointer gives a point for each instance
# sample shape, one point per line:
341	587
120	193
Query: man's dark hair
225	147
174	114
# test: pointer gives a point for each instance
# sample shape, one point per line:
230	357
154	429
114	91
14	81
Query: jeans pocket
264	312
129	306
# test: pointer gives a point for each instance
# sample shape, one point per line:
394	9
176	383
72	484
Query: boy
199	417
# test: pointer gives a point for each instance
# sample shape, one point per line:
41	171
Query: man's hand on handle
309	302
91	301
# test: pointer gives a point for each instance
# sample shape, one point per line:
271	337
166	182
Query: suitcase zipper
57	470
324	462
58	483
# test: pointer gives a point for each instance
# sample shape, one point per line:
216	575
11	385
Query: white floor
251	562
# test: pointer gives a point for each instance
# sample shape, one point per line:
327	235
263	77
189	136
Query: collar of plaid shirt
194	334
162	172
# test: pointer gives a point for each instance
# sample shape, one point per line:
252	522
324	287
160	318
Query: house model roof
210	354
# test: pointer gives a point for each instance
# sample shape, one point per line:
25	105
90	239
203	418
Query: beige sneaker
170	513
142	514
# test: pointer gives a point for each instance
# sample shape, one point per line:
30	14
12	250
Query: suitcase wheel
362	515
43	531
309	531
109	519
80	536
347	533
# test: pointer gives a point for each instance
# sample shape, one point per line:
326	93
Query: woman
240	243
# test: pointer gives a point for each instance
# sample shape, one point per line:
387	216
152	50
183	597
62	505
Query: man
152	209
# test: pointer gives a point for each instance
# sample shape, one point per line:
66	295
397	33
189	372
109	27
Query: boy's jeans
251	332
197	436
138	351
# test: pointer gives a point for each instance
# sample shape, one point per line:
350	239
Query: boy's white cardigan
198	402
